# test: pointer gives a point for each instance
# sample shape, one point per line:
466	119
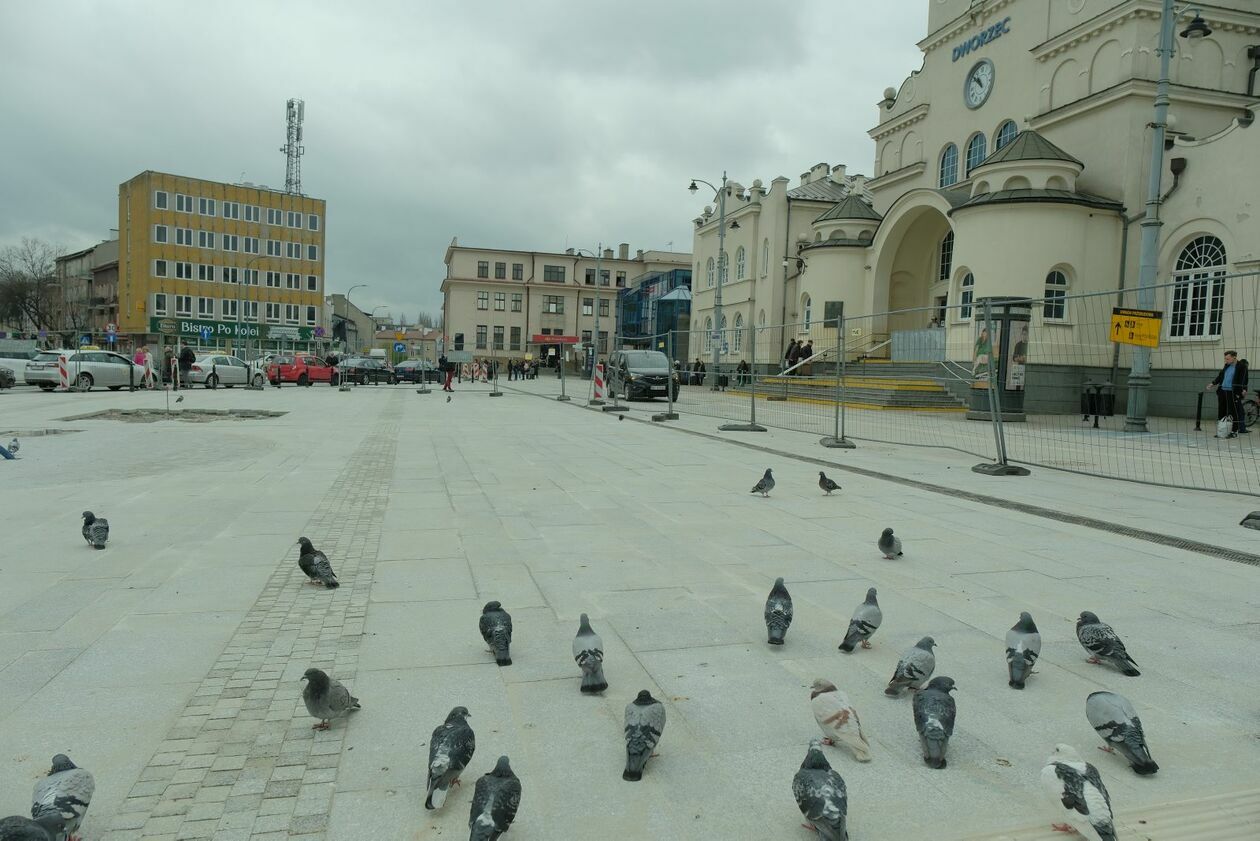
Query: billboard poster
1018	356
983	355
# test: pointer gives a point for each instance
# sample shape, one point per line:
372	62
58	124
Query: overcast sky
533	124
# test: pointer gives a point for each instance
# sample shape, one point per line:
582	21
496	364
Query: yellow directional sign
398	337
1136	327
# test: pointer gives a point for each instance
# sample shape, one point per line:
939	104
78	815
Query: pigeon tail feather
593	682
435	798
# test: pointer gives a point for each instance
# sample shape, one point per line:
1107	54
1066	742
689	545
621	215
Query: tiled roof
823	189
1028	145
851	207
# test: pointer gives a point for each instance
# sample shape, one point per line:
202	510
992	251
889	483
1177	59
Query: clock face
978	84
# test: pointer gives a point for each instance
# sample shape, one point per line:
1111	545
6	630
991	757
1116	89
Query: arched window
1054	308
708	333
761	319
1005	134
1198	293
966	294
725	340
737	341
724	267
976	150
949	167
765	257
708	273
739	263
807	308
945	262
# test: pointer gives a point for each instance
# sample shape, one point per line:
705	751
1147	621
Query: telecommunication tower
293	149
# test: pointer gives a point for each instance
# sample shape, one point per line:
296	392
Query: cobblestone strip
242	761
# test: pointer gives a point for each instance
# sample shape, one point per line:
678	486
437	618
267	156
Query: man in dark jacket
789	355
187	357
1230	386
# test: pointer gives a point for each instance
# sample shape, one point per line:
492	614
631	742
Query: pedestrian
448	370
168	365
742	372
806	353
789	355
150	369
187	357
138	360
1230	386
794	356
700	370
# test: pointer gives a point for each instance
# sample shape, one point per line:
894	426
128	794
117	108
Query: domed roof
850	207
1028	145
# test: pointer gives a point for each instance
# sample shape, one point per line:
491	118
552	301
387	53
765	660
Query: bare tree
426	319
29	292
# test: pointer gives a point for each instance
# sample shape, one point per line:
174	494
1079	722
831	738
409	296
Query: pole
1139	381
599	251
999	467
669	414
721	277
837	440
564	398
752	374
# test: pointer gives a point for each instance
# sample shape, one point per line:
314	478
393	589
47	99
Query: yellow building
214	265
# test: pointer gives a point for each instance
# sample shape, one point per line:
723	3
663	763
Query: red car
300	368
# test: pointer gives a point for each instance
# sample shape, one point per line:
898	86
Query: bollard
63	373
597	386
837	439
1198	414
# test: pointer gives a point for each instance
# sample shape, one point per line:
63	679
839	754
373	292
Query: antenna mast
293	149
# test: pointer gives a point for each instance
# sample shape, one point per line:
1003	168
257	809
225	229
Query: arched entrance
913	260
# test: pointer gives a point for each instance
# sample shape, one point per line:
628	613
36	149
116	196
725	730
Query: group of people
170	365
797	353
522	369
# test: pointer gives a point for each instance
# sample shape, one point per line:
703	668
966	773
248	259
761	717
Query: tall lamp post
599	256
717	337
348	318
1139	381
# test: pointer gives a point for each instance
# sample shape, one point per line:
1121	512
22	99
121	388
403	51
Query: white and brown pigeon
838	720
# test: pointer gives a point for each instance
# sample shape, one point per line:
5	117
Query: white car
101	368
42	370
15	361
218	369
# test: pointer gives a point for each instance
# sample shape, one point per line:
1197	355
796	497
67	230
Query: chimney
857	187
837	173
638	255
804	178
608	252
818	171
569	251
623	251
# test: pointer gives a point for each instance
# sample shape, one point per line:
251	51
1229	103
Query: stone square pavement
169	663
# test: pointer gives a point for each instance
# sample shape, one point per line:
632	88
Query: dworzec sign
228	329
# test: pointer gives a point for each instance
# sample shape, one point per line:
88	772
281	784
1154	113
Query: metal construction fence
1011	382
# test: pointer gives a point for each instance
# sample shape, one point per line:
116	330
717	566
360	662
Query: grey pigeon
95	530
864	624
315	564
914	668
1117	722
63	796
1103	644
588	652
495	801
826	484
1076	789
326	699
764	485
778	612
448	398
889	544
14	446
645	721
18	828
496	630
934	712
450	750
1023	646
821	796
179	399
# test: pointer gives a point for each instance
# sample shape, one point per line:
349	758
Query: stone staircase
876	384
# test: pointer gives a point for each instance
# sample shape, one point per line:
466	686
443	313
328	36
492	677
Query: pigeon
14	446
934	712
95	530
821	796
18	828
179	399
914	668
826	484
315	564
1076	789
1103	644
495	801
1023	645
496	630
778	612
765	485
889	544
645	721
450	750
864	624
838	720
326	699
588	651
1116	721
448	398
61	799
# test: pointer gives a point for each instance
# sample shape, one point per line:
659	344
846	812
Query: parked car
640	374
417	370
90	368
217	369
365	369
42	370
300	368
7	380
15	361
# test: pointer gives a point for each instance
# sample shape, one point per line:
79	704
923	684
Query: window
159	304
273	280
231	210
312	283
273	248
159	268
708	273
708	330
295	220
312	252
621	280
312	221
737	340
293	250
251	310
205	207
949	167
603	277
229	274
1055	305
250	245
205	239
252	212
945	261
481	336
500	271
160	199
291	313
160	233
588	306
603	307
231	242
483	300
586	338
500	301
518	271
310	314
249	277
807	307
183	236
184	271
272	313
976	150
967	294
483	268
205	271
205	308
739	263
516	302
227	308
1198	293
603	342
292	281
274	216
765	257
590	277
183	203
1005	134
515	341
183	306
553	274
553	304
498	338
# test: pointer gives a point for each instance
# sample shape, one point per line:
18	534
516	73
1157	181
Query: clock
978	84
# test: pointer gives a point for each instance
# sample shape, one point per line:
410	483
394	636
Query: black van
640	374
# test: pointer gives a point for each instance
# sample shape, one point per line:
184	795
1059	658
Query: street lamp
1139	381
598	255
348	318
717	336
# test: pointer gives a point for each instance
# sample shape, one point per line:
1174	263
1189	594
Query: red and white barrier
599	381
63	373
